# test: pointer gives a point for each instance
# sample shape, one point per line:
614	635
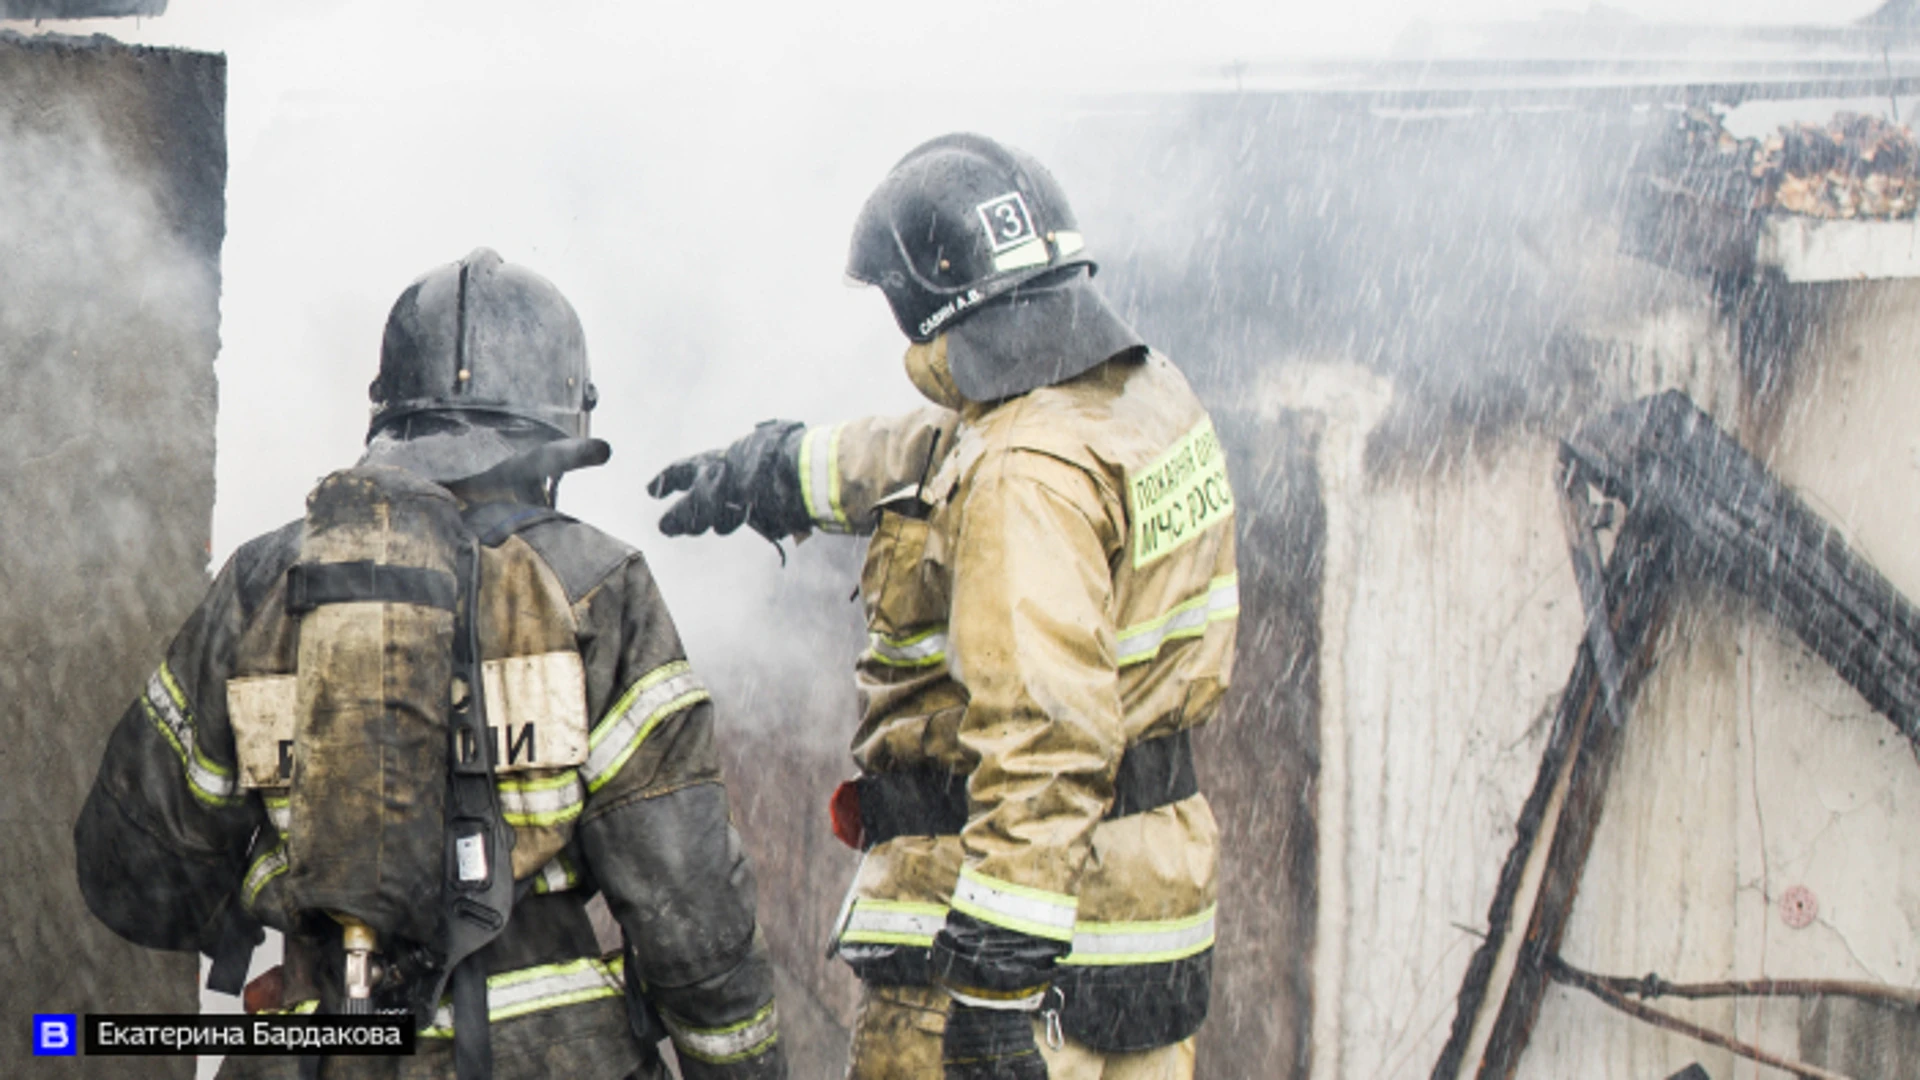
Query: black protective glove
756	481
990	1044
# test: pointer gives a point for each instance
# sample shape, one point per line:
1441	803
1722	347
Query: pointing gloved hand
990	1044
756	481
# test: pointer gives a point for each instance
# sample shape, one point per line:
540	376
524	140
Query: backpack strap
479	889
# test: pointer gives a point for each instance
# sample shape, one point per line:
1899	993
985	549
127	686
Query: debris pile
1854	166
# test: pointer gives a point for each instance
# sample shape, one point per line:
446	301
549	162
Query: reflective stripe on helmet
1159	942
165	705
1142	641
546	801
720	1046
657	695
820	478
271	864
924	649
536	989
1036	912
894	922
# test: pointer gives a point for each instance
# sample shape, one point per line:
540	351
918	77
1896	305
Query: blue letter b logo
55	1035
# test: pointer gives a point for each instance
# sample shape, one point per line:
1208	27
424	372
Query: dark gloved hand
756	481
990	1044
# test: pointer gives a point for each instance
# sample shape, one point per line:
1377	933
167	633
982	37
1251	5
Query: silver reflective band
279	811
1189	619
1107	944
534	989
661	692
820	478
894	922
925	649
547	801
1095	944
166	706
735	1042
264	869
556	876
1029	911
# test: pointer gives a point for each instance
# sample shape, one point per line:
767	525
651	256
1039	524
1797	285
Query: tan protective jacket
608	774
1050	581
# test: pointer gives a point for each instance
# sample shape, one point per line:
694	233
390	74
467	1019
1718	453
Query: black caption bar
110	1034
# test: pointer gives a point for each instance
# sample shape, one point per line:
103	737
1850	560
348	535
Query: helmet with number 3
960	223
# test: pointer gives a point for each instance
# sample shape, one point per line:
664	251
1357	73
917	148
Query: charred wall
112	174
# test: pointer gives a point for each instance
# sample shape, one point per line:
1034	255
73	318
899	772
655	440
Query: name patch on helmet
1006	220
947	311
1180	495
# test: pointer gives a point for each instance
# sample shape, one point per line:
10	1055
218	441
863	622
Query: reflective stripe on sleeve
1095	944
655	696
536	989
1190	618
1036	912
820	478
165	704
719	1046
924	649
533	803
271	864
894	922
557	876
1112	943
279	811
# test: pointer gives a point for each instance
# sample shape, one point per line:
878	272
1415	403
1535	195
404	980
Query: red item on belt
844	811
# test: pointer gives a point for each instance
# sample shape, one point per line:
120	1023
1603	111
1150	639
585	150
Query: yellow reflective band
279	811
540	802
1114	943
166	706
894	922
271	864
537	989
657	695
751	1037
1036	912
924	649
1095	944
1179	496
820	478
1068	243
1189	619
300	1008
557	876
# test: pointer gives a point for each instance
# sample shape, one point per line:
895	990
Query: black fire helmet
482	360
976	238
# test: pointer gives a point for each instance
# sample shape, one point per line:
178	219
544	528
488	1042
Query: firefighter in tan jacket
1051	601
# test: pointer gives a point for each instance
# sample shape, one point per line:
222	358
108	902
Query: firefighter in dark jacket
1051	604
603	769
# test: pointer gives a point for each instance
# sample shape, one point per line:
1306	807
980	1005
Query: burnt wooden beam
1734	524
1500	996
1699	508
